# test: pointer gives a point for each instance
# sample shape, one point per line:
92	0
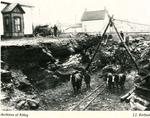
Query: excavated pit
40	68
39	62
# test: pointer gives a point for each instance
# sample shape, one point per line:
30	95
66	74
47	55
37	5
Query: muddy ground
62	98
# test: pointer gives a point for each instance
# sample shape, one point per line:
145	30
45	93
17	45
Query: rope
132	22
133	26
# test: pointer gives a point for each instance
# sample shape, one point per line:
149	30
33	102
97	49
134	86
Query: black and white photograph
75	55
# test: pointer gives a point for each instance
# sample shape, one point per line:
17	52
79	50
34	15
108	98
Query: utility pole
75	24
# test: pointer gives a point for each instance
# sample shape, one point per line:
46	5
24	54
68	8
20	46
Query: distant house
13	21
94	21
16	23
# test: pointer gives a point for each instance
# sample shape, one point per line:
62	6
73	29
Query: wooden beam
99	44
7	3
125	46
121	39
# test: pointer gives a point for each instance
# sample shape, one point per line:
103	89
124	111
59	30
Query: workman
55	30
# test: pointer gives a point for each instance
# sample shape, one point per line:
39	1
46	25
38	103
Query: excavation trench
45	67
33	69
40	62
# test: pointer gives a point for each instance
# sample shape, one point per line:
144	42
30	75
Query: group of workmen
115	80
76	79
112	80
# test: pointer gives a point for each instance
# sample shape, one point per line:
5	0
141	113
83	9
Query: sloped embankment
33	68
39	61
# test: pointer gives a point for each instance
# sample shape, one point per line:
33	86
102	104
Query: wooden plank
141	101
124	97
7	3
99	44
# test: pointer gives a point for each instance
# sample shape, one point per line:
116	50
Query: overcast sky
70	11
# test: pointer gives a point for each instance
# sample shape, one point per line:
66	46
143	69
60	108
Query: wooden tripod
111	23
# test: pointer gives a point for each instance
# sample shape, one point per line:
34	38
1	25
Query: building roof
93	15
11	7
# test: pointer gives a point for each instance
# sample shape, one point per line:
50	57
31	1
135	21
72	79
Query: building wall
27	20
1	20
10	26
97	26
11	32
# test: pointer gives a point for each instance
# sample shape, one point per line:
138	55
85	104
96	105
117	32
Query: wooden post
98	45
125	46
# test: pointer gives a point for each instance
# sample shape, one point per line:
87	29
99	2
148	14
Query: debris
4	65
27	104
21	81
129	97
140	100
63	77
110	69
124	97
136	106
38	69
74	61
5	76
4	97
34	104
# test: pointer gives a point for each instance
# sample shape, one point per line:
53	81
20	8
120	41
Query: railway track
85	102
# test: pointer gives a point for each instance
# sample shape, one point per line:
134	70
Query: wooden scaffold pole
99	44
121	39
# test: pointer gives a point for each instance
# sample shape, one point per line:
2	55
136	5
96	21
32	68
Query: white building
94	21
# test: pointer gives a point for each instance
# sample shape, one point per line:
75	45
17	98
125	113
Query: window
17	24
7	24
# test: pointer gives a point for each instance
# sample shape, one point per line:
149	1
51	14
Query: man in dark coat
76	80
55	30
121	34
